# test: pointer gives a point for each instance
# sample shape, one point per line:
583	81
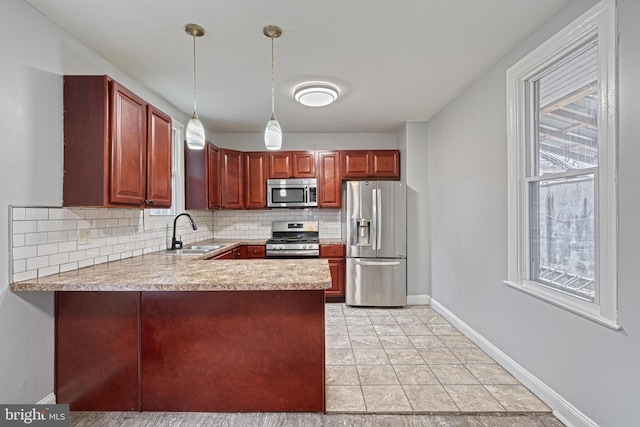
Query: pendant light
273	132
195	130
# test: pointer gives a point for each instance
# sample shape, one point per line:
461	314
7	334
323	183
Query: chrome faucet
177	244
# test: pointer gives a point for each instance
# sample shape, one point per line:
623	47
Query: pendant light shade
273	132
195	130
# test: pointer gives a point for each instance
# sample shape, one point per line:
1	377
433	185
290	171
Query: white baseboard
562	409
50	399
418	299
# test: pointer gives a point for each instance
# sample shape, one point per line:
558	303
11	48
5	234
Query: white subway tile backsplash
48	249
61	258
48	271
18	240
25	226
25	275
37	262
56	213
68	267
25	252
48	225
85	263
35	238
19	265
36	214
57	236
18	214
67	246
77	256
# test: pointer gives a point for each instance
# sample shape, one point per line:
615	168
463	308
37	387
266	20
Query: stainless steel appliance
374	226
293	239
292	193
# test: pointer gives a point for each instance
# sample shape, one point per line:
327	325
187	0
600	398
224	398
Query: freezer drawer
376	282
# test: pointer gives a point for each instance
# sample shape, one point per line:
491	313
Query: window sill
573	309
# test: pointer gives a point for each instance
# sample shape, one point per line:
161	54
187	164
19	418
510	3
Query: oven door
292	254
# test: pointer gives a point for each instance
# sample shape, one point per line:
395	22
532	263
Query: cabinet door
304	164
280	165
329	182
213	177
231	179
240	252
159	150
128	147
255	251
255	180
385	164
355	164
336	265
226	255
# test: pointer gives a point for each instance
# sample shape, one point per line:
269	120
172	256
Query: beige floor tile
377	375
365	341
353	311
345	399
395	341
428	341
388	330
438	356
375	312
415	375
471	355
385	398
442	329
456	341
409	320
337	341
334	320
358	321
404	356
491	373
416	330
370	356
453	374
336	330
422	311
339	356
516	398
333	312
430	398
473	398
433	319
361	330
383	320
341	375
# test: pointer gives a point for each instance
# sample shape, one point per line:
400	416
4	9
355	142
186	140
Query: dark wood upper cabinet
231	179
292	164
117	147
256	173
202	184
329	180
371	164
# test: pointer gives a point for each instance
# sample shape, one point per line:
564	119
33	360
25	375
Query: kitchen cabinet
202	185
371	164
241	252
256	173
117	147
292	164
329	180
256	251
231	179
335	255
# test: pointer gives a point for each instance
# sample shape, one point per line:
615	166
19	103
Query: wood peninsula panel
233	351
96	354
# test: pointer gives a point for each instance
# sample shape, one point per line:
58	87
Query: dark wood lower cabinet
218	351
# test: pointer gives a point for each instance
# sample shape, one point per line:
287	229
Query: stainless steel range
293	239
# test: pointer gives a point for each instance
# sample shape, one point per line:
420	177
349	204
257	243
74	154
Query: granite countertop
165	272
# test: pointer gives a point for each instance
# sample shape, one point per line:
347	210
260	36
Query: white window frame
600	22
157	218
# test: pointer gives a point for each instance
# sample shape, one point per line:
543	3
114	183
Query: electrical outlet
84	236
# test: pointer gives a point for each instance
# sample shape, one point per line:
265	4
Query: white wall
594	368
308	141
412	143
35	56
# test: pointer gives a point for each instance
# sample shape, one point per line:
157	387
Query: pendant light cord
273	94
195	113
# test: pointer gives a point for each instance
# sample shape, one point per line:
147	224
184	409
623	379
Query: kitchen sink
194	250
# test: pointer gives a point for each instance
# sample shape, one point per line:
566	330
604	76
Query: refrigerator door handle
376	262
378	200
376	224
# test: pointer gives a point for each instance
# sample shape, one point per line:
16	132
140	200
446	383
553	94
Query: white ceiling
392	60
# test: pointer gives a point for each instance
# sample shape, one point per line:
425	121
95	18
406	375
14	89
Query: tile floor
411	360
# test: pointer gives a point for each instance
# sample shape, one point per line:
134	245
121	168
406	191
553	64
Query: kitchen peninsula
182	333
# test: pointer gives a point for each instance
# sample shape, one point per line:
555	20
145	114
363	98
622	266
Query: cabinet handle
145	202
151	202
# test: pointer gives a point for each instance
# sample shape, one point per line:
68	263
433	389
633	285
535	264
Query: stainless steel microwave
292	193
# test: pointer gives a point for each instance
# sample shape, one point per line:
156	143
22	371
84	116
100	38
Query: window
562	168
155	218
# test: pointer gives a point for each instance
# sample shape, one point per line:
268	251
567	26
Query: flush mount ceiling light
316	94
195	130
273	132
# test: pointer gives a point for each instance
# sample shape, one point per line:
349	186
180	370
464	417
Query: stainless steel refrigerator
374	225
